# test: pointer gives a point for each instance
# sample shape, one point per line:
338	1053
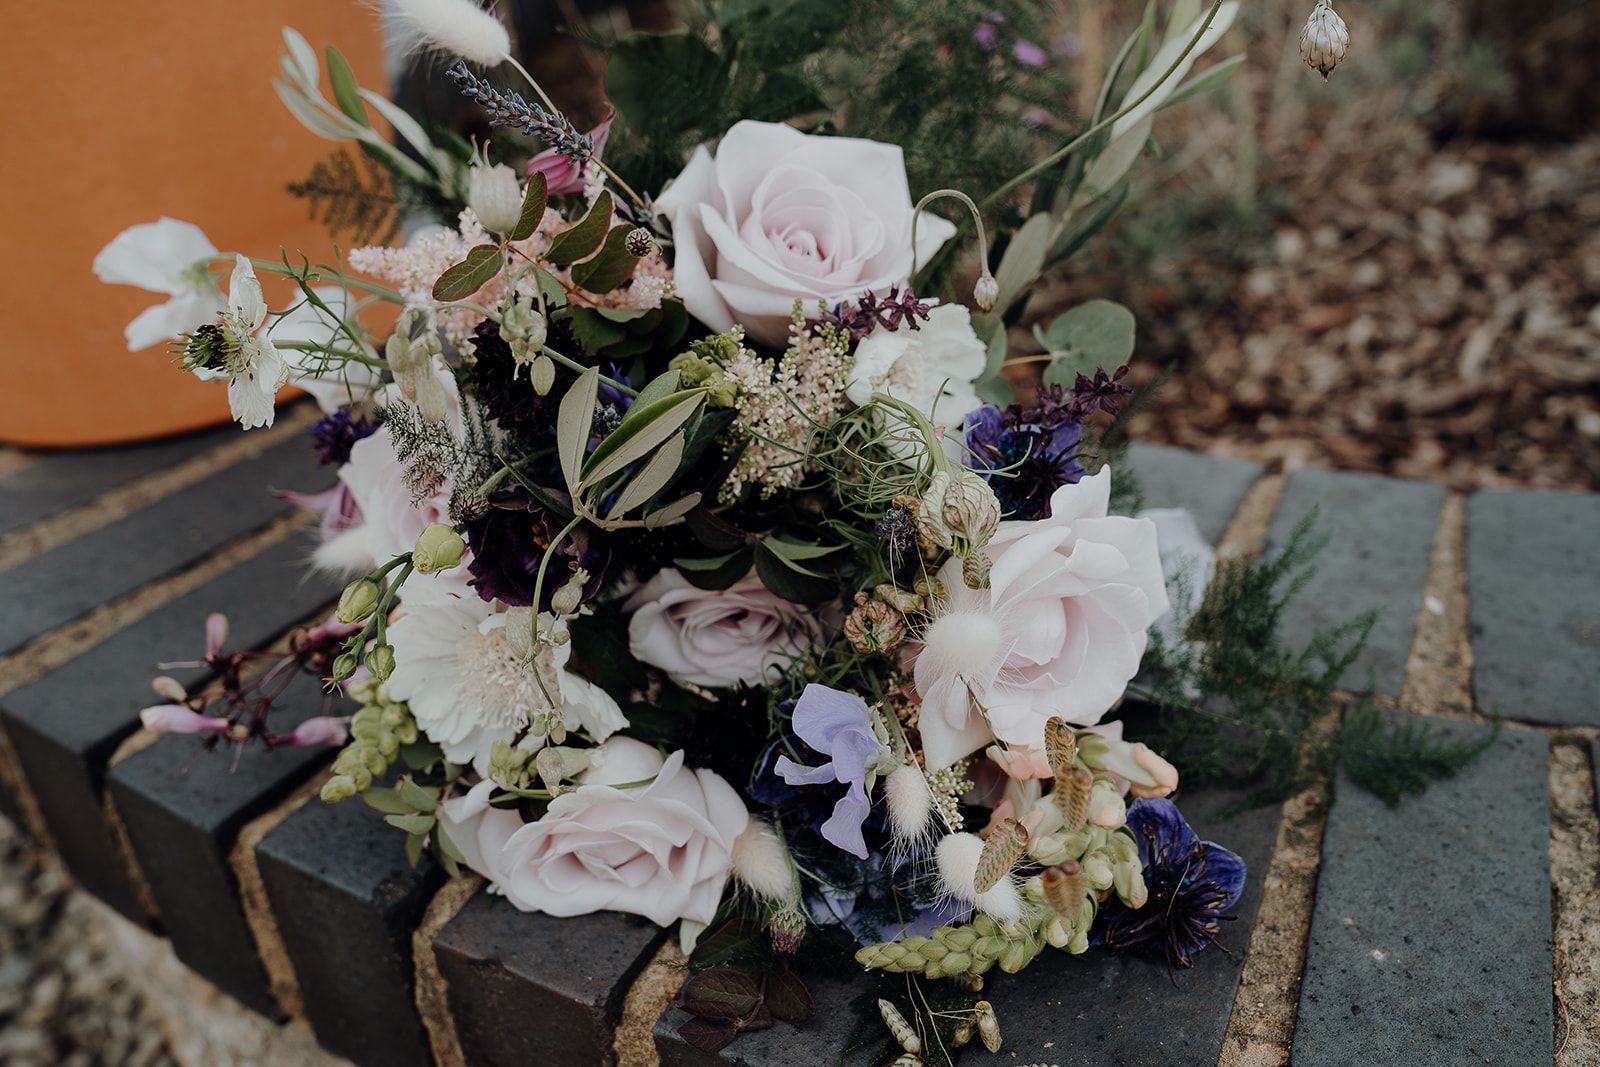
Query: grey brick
346	902
532	989
66	725
1380	540
183	808
835	1026
1430	939
1211	487
1534	585
56	481
169	535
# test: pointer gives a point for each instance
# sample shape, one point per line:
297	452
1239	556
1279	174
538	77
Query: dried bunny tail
761	861
958	856
909	799
457	27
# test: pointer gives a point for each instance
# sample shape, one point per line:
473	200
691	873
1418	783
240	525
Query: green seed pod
344	665
358	601
380	661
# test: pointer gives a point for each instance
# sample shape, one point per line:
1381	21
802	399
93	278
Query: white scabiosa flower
957	856
1325	40
494	195
456	27
761	862
166	256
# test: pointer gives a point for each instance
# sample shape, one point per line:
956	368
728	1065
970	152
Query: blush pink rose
1059	631
661	850
716	637
777	216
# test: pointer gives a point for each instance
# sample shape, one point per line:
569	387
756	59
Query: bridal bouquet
702	564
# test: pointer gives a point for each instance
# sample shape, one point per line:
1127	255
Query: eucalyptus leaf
585	236
411	824
1024	258
386	800
534	201
612	266
420	798
574	419
1092	335
346	93
463	279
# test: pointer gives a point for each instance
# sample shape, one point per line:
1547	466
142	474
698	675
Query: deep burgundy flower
503	387
869	312
510	539
1103	392
1192	884
334	435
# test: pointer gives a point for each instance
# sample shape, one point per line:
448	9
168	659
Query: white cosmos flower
248	359
932	368
330	382
165	256
471	677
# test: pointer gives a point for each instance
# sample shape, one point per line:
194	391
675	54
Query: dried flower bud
1325	40
959	514
903	1031
565	601
358	601
169	689
1106	808
901	600
380	662
1065	886
494	195
874	626
986	292
438	548
988	1025
639	242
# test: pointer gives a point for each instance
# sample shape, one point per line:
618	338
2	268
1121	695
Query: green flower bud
438	548
542	374
358	601
380	661
344	665
339	787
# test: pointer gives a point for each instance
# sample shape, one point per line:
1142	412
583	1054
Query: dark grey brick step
66	725
1430	939
1534	586
532	989
346	903
183	809
173	533
56	481
1211	487
1128	1010
835	1025
1380	540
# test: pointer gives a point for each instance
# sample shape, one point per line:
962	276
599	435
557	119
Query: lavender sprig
510	109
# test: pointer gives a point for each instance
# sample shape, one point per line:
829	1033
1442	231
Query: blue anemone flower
1192	884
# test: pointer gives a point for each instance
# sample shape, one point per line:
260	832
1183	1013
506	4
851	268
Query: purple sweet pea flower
840	726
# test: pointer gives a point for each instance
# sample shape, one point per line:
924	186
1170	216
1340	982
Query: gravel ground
65	997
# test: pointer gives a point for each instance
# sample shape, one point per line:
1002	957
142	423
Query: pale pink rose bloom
661	850
776	215
1059	631
716	637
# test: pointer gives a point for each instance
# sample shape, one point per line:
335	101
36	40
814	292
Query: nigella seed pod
1065	886
988	1025
1006	845
898	1026
639	242
908	1059
1072	799
1325	40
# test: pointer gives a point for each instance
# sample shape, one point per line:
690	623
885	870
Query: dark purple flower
1103	392
1029	54
334	435
890	313
510	539
1192	884
837	725
1034	449
503	388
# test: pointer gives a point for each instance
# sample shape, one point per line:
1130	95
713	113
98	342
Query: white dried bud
542	375
959	511
760	860
1325	40
986	292
565	601
494	195
524	329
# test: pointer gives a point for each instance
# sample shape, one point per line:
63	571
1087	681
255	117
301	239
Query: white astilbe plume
910	804
456	27
761	861
958	877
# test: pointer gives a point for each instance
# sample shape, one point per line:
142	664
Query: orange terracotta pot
118	113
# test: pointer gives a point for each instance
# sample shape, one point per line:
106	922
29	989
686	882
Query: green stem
1071	146
273	266
572	364
343	354
977	218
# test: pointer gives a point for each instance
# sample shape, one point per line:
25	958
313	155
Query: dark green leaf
346	93
718	572
533	205
611	267
665	83
781	577
414	845
721	994
787	996
468	276
594	331
1097	334
386	800
582	239
738	938
706	1036
411	824
419	798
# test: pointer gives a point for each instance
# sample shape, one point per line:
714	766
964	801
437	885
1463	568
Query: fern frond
363	206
